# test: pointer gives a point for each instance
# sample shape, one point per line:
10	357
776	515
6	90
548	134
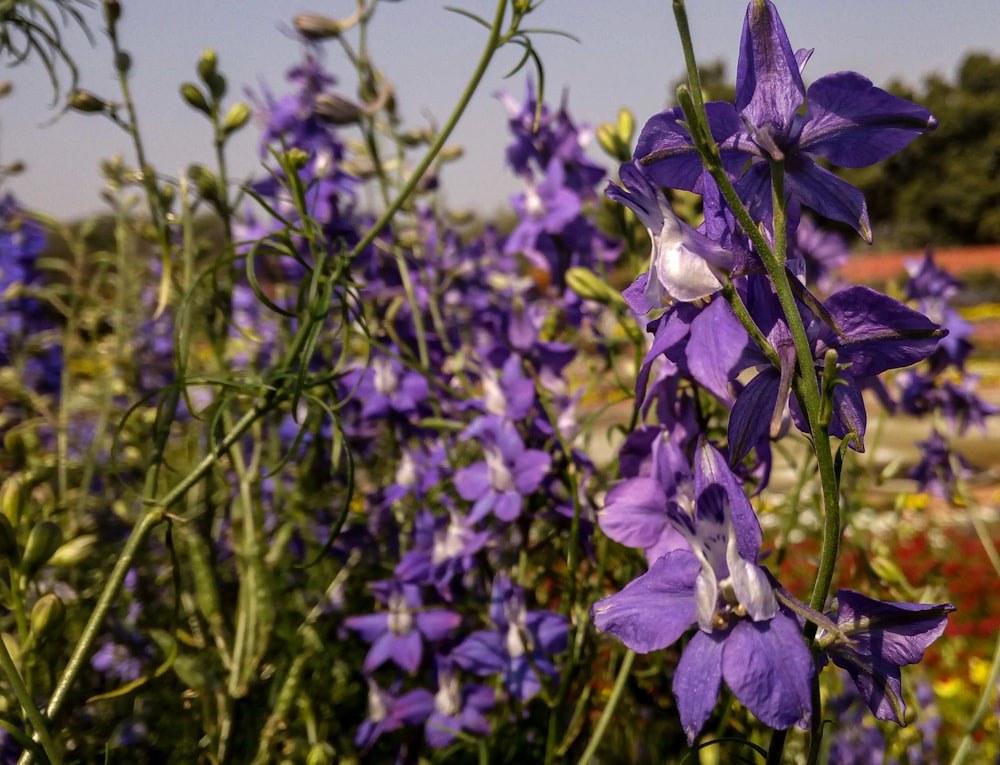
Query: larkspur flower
847	121
743	636
457	706
388	712
685	265
520	645
881	637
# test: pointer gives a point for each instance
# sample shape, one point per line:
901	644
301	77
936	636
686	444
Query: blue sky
628	55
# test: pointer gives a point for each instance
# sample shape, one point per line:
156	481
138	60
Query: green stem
609	711
492	46
28	705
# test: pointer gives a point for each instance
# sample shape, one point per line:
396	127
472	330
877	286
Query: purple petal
368	626
437	623
828	195
548	630
530	467
473	482
634	512
654	610
481	653
711	469
715	349
507	506
854	124
697	680
769	87
769	669
750	418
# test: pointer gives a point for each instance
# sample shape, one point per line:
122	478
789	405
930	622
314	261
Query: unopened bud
75	551
12	499
123	62
321	754
14	168
589	286
336	110
86	102
5	88
626	125
205	181
195	98
207	65
8	541
313	26
237	117
47	616
43	540
112	11
451	153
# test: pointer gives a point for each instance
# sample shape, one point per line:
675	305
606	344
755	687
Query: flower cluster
726	314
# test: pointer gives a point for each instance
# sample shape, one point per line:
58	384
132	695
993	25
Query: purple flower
847	121
881	638
457	707
399	633
508	473
743	636
940	468
684	264
444	548
521	642
387	712
874	333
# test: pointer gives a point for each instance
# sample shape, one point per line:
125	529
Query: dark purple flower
717	585
847	121
881	637
444	547
940	468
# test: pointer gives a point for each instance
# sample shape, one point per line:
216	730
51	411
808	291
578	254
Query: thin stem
28	705
609	711
493	44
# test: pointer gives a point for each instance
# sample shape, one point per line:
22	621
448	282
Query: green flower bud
86	102
43	540
321	754
313	26
75	551
237	117
195	98
123	62
47	616
336	110
626	125
208	65
205	181
112	11
12	499
451	153
8	541
5	88
589	286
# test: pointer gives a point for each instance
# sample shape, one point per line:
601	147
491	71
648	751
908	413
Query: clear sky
628	54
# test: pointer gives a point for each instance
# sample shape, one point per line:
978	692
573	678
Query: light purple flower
743	636
388	712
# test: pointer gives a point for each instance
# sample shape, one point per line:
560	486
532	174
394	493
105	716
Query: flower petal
769	669
697	680
655	609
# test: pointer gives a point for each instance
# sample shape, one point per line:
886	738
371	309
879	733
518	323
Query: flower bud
589	286
43	540
208	65
8	541
86	102
14	168
47	616
75	551
626	125
237	117
12	499
123	62
204	180
195	98
5	88
321	754
451	153
313	26
112	11
335	110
